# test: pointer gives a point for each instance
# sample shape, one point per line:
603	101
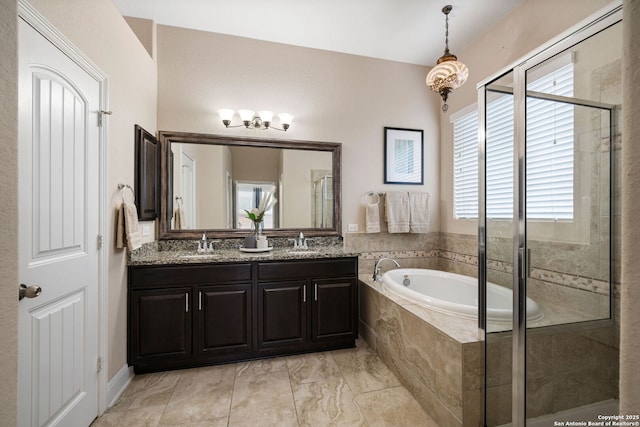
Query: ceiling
409	31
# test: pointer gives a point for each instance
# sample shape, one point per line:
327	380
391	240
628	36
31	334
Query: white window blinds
465	165
499	166
550	148
550	153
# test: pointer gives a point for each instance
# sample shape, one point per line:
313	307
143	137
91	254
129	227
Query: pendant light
449	73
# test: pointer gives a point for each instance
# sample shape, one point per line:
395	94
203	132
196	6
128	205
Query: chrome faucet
204	246
376	269
300	242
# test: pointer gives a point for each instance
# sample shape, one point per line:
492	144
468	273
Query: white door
188	176
59	161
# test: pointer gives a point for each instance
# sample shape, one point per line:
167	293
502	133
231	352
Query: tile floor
349	387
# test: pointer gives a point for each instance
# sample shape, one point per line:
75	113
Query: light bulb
246	115
265	115
285	118
226	115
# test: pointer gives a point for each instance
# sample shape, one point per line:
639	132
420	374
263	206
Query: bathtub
454	294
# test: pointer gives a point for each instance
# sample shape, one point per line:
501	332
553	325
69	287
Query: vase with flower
256	215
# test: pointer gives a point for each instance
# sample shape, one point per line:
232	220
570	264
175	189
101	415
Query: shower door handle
521	263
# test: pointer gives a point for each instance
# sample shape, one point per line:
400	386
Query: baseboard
118	384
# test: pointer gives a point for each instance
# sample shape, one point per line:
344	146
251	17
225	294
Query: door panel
499	221
557	246
225	318
333	309
569	151
59	211
162	320
282	314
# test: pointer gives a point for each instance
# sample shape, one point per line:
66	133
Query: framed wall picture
403	156
147	166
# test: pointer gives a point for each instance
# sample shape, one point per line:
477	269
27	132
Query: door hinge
100	241
100	360
101	115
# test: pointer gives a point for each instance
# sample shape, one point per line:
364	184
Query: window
550	148
550	152
465	165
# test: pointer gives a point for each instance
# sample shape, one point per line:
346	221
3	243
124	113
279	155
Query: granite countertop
168	254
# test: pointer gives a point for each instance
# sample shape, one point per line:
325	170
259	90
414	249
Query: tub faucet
376	269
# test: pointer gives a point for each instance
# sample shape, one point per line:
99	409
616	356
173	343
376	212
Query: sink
199	256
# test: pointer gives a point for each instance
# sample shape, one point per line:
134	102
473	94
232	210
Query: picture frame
403	156
147	165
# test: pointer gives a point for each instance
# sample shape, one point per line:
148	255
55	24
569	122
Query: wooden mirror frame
166	200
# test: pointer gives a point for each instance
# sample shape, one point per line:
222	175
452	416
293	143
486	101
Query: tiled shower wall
569	273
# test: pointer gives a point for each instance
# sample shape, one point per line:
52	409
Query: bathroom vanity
186	312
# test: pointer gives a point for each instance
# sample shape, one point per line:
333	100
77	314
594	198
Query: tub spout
376	269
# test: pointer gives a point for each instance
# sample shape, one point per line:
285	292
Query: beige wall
517	34
334	97
8	212
99	31
630	299
145	30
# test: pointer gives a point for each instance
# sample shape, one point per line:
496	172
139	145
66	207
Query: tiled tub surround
438	356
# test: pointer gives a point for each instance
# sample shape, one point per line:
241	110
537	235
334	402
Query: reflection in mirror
248	196
209	182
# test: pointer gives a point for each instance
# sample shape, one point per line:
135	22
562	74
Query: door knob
29	291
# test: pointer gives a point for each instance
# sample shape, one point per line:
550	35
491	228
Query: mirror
209	181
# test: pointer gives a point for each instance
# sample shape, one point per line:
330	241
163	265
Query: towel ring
372	194
122	187
179	201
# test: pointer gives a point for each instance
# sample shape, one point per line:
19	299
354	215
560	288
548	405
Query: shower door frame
608	16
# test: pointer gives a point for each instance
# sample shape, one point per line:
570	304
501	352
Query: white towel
372	214
418	212
178	219
128	234
397	211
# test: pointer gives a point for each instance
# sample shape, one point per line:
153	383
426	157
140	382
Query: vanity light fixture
449	73
261	120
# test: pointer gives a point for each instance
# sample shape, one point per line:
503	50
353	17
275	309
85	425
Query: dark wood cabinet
147	165
282	314
335	314
224	319
200	314
314	305
161	325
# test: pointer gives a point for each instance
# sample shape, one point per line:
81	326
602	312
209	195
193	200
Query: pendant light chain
446	32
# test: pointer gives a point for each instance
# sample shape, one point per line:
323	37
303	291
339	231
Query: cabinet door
224	319
147	164
334	313
160	324
282	314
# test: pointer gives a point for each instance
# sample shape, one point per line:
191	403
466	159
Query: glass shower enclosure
549	229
